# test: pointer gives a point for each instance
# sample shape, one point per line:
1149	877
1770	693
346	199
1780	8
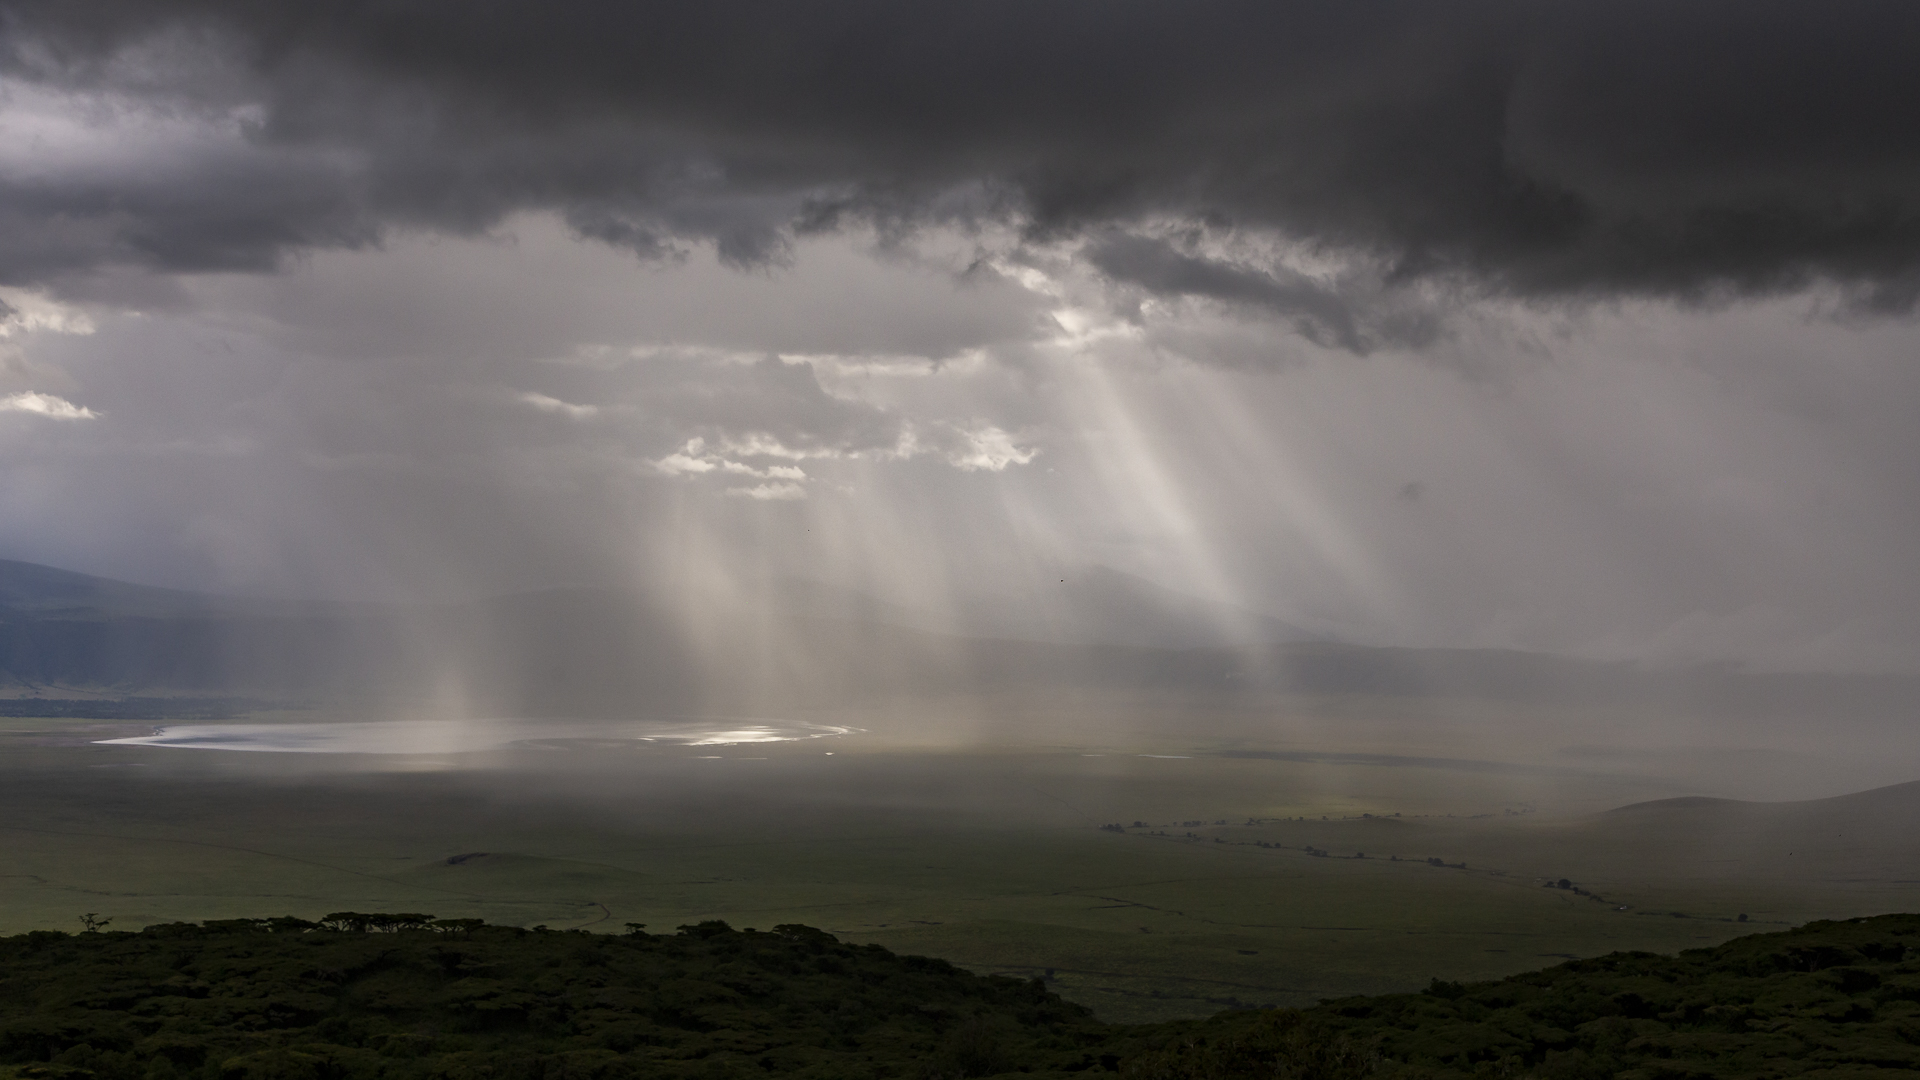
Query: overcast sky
1579	327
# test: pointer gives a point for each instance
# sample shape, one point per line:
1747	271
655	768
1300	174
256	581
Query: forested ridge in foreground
407	997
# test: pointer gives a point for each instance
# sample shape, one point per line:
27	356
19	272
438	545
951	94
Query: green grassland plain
994	860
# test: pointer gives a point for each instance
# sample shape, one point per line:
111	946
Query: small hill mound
1893	801
1867	836
1683	804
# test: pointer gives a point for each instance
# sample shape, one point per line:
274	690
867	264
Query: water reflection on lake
470	736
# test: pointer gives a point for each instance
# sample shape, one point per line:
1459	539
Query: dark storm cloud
1536	149
1354	313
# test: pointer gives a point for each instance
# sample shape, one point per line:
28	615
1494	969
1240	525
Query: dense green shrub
408	997
1835	999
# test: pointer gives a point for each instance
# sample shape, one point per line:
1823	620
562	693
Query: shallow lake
472	736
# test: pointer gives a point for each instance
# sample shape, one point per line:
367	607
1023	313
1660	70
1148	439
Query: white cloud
761	444
556	406
682	465
772	491
991	449
984	448
22	310
890	365
695	458
55	408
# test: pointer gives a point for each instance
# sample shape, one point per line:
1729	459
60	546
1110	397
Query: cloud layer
1493	146
1552	325
54	408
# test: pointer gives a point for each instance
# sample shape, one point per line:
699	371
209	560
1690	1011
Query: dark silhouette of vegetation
1280	1043
406	996
400	996
1830	998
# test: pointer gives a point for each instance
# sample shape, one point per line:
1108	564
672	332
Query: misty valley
1152	832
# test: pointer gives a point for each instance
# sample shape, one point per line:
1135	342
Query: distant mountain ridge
1095	605
66	633
50	592
599	652
47	591
1099	605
